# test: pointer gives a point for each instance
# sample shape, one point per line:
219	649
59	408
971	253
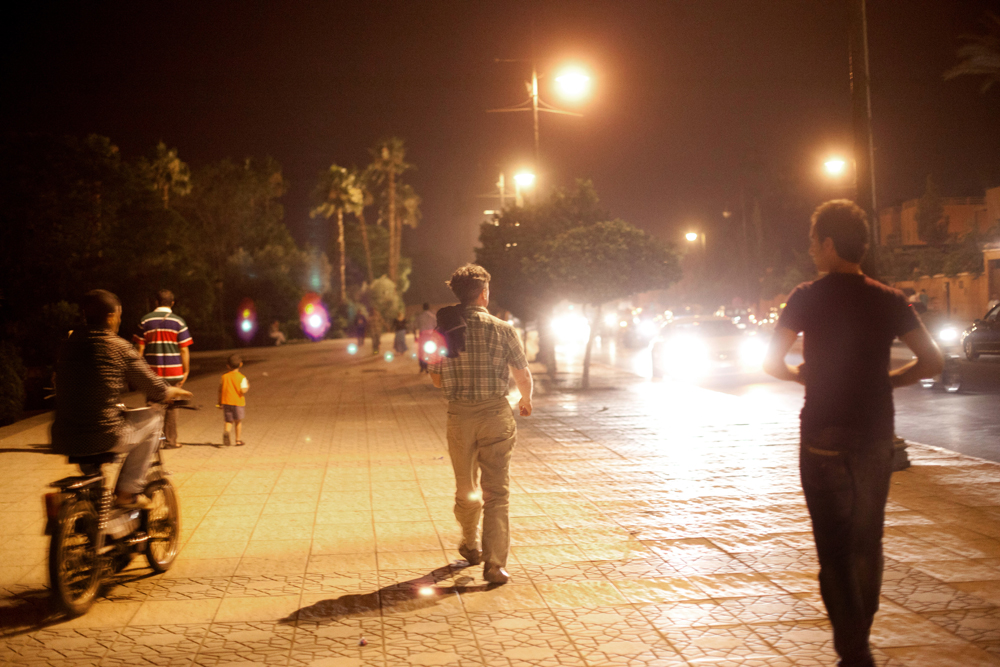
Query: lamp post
572	82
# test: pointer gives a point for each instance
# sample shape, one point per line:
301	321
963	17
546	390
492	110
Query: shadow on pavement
26	609
44	448
406	596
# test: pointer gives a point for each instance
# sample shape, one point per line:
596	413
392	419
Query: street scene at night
506	334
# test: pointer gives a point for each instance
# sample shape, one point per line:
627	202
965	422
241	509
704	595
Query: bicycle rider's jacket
164	334
94	368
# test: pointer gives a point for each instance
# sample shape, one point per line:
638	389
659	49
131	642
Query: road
966	422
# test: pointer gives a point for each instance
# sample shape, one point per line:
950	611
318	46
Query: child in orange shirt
232	398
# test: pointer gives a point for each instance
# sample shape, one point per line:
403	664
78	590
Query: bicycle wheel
163	525
74	566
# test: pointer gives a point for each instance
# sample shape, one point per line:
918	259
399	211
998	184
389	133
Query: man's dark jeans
845	477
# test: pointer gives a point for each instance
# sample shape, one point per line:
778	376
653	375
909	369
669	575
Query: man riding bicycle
95	366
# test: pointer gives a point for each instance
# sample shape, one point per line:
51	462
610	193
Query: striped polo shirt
164	334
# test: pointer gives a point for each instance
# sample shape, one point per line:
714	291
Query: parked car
983	337
700	346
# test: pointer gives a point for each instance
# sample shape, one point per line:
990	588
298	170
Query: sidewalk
653	523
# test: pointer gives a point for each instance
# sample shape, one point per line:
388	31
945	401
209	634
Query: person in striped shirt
164	340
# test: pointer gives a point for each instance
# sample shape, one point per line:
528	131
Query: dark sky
684	93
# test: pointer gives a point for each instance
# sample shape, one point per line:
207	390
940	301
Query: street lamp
835	166
524	179
691	236
573	83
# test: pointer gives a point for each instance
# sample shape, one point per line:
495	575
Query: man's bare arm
436	379
185	364
526	386
774	362
929	361
140	347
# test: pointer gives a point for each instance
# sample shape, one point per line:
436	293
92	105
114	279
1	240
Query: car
983	337
698	346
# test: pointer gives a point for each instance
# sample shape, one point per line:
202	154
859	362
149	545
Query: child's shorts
233	413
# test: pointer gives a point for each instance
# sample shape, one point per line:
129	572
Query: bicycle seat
94	459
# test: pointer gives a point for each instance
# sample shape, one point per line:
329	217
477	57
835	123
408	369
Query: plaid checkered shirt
482	372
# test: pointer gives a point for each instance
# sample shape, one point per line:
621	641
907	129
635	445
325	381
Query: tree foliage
980	55
932	225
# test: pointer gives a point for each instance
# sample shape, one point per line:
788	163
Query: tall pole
534	111
503	191
861	112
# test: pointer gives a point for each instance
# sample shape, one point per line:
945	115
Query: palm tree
337	192
364	178
980	54
388	161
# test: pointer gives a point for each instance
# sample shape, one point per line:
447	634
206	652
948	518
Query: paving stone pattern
653	523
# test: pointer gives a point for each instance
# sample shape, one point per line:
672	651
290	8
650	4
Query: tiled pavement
653	524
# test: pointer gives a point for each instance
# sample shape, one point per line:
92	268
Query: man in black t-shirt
848	323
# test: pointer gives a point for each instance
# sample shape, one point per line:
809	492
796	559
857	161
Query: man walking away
424	326
163	339
848	322
481	427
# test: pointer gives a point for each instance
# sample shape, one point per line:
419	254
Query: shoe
169	446
140	502
240	443
471	556
495	574
226	442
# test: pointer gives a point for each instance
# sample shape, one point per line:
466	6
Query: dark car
983	337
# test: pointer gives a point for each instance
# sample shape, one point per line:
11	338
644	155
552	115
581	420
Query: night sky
684	95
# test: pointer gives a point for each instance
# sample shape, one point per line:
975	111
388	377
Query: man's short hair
97	305
164	298
234	361
846	223
468	282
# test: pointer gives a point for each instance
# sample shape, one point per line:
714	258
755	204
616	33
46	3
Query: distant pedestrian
232	399
848	322
399	325
423	330
276	334
376	325
164	340
481	427
360	328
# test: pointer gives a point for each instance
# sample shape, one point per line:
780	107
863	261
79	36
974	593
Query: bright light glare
315	321
524	179
246	325
352	348
610	319
752	352
835	166
430	347
691	236
686	357
573	83
948	334
389	356
427	591
571	328
647	328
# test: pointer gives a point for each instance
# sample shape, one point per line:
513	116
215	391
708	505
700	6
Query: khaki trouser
481	437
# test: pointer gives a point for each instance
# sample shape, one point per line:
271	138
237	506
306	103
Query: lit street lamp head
524	179
691	236
835	166
573	83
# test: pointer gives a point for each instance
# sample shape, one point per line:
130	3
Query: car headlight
948	335
752	352
647	328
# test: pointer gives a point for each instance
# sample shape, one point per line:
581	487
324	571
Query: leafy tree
336	193
980	55
932	225
166	173
602	262
363	177
381	295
